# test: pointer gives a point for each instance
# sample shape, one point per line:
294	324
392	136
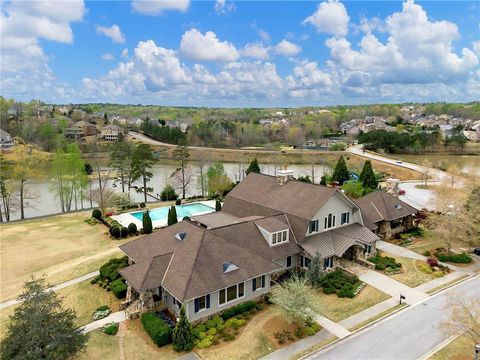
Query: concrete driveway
418	198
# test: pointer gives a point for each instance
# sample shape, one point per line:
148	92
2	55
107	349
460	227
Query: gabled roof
194	266
293	197
380	205
271	224
338	240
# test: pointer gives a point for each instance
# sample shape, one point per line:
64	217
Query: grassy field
337	309
461	348
101	346
62	247
411	276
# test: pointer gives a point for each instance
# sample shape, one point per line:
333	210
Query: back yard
62	247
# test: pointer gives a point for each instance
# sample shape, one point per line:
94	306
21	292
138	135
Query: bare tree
426	170
104	197
181	178
463	317
182	154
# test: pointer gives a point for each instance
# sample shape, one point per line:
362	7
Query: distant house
14	111
472	135
80	130
112	133
385	214
446	130
6	141
267	226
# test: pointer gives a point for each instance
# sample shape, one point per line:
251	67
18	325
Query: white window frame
347	218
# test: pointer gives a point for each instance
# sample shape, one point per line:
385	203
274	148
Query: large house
6	140
112	133
267	225
385	214
80	130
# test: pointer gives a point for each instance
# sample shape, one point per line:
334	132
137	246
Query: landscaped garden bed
341	283
109	278
387	264
442	255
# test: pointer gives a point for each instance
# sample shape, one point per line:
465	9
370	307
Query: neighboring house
267	225
6	141
80	130
385	214
112	133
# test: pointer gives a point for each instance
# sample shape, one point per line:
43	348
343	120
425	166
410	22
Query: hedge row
119	288
455	258
238	309
159	332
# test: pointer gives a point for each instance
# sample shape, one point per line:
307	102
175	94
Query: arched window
329	221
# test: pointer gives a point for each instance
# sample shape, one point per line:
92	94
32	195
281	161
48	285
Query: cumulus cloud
256	51
113	32
108	57
156	7
125	53
207	47
331	17
286	48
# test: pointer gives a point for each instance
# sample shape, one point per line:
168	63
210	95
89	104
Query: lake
47	204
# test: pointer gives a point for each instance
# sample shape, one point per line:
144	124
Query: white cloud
256	51
125	53
156	7
207	47
223	7
476	47
108	57
331	17
286	48
113	32
369	25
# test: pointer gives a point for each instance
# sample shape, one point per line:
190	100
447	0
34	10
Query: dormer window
313	226
329	221
279	237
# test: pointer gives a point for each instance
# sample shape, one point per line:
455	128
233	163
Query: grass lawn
83	297
337	309
61	246
378	316
100	346
411	276
461	348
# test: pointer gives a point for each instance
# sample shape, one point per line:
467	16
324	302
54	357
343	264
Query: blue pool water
182	211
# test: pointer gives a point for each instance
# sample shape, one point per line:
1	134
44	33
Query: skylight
228	267
181	235
398	206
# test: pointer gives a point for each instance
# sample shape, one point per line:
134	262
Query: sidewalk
332	327
54	288
117	317
369	313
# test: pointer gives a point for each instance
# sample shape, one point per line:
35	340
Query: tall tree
182	154
142	162
182	334
41	327
172	216
147	223
463	318
314	272
26	168
341	174
121	161
367	176
253	167
218	181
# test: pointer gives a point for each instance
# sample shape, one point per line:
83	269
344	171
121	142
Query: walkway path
332	327
122	329
117	317
54	288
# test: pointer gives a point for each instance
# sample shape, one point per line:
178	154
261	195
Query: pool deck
125	219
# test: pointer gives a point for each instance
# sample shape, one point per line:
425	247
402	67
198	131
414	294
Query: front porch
388	229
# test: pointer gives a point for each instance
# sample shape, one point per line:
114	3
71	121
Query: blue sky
240	53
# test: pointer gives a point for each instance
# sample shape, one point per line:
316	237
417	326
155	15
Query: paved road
408	335
418	198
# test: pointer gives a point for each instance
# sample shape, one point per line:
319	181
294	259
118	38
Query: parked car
399	162
401	192
476	251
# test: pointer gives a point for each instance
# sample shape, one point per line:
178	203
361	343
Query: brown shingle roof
379	205
192	267
272	224
216	219
262	191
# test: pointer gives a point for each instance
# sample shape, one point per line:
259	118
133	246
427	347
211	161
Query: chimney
284	175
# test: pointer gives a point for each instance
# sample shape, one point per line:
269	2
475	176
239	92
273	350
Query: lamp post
477	350
403	298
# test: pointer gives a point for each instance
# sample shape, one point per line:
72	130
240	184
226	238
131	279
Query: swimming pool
182	211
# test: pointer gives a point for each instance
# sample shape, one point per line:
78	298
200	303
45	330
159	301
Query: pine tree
182	334
367	176
147	223
172	216
340	173
218	205
41	327
253	167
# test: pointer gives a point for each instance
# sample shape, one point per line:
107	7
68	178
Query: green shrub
299	332
93	281
462	258
212	331
384	262
109	270
197	330
111	329
339	280
159	332
228	337
119	288
238	309
124	232
329	290
115	231
132	228
103	308
427	253
315	327
309	331
205	343
97	214
178	202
